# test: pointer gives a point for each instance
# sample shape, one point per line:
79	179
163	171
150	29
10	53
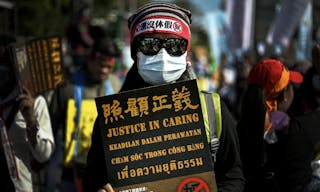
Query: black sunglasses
151	45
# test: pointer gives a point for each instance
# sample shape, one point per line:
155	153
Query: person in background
276	148
79	41
73	110
308	95
243	67
25	128
226	76
160	57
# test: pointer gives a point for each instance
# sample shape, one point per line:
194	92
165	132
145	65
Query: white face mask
161	68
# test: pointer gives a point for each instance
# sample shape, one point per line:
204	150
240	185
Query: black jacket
305	97
228	170
286	164
296	150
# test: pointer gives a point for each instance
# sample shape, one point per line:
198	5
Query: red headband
161	24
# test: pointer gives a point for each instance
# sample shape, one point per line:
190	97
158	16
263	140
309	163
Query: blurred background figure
308	96
73	109
226	77
201	65
26	136
243	67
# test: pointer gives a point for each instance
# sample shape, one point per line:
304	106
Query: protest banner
38	64
154	139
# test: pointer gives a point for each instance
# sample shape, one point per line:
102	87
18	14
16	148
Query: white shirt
23	151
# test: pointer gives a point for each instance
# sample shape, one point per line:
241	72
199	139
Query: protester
226	83
160	56
308	96
93	80
276	149
26	135
243	67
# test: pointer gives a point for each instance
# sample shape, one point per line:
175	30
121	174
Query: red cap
271	74
295	77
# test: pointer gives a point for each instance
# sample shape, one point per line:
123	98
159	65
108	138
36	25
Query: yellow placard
87	118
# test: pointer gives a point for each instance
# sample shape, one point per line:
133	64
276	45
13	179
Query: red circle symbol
193	184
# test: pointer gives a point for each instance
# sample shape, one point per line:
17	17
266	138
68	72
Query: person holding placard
25	128
160	44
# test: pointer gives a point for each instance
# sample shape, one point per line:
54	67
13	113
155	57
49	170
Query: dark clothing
228	170
5	180
305	96
309	92
96	171
296	150
228	167
286	164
